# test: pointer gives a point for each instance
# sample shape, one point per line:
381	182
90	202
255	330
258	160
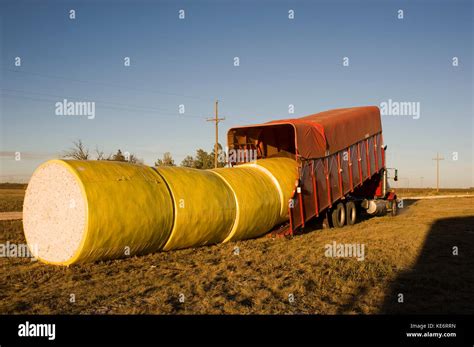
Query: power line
128	109
140	109
98	101
77	97
247	121
104	83
119	86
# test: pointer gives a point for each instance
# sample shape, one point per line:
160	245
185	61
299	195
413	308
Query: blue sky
191	61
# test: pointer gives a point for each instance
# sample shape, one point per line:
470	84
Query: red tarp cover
324	133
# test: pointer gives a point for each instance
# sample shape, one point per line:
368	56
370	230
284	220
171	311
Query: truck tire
338	216
351	213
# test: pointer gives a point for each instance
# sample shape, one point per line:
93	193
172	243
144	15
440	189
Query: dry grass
11	199
411	253
407	192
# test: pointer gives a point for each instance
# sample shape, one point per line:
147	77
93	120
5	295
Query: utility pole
216	120
438	158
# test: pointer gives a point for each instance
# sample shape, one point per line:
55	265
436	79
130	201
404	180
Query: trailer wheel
394	207
351	213
338	216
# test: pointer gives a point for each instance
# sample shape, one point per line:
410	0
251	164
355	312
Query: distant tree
188	161
99	154
78	151
203	160
167	160
134	160
118	156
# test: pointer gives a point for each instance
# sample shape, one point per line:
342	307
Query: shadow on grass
440	282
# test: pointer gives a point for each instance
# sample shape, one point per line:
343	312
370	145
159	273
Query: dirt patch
11	215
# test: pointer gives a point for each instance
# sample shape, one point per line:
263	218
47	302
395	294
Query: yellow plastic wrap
204	207
257	201
129	209
284	173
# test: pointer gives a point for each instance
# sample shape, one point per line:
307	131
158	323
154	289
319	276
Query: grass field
409	254
407	192
11	197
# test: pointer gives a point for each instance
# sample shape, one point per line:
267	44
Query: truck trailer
341	163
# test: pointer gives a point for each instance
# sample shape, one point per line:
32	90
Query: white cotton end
54	213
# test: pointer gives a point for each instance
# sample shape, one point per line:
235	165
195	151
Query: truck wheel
338	216
394	207
351	213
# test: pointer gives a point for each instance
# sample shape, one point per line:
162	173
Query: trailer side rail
324	181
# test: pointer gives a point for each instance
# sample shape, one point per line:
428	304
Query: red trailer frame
340	154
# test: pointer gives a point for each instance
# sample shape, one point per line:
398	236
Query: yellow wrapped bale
78	211
257	201
204	207
284	174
